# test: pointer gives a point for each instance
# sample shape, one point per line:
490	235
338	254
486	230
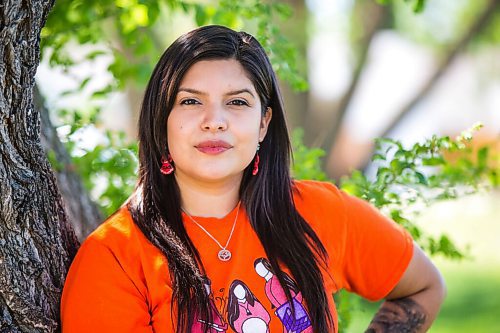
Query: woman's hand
414	303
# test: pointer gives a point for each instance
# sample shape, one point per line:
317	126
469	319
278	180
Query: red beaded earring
166	166
256	162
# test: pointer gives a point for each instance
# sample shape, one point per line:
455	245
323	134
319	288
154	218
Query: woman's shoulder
319	201
118	227
119	238
115	280
317	191
119	235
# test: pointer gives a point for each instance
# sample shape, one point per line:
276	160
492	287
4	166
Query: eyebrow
230	93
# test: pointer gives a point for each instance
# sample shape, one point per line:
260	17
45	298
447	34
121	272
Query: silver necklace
224	254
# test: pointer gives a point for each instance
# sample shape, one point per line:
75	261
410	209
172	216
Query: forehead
218	74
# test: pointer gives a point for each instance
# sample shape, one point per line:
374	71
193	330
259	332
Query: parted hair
267	197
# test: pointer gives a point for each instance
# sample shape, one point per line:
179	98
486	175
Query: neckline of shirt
229	217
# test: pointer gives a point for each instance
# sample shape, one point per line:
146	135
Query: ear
264	123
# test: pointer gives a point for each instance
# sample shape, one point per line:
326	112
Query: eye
238	102
189	101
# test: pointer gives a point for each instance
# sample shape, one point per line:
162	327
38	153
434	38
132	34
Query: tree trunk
371	17
296	102
36	241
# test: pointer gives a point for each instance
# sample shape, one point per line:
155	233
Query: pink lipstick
213	147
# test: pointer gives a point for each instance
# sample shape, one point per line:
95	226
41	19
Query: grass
473	301
472	305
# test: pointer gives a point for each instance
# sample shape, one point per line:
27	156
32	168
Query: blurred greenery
471	304
409	179
473	285
112	169
418	5
417	177
306	161
132	32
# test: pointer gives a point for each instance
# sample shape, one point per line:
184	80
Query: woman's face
261	269
216	122
239	292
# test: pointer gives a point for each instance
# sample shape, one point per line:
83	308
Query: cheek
175	129
249	126
175	140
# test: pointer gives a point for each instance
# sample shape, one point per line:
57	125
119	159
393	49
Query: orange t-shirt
119	281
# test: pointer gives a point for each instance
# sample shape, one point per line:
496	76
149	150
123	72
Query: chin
218	175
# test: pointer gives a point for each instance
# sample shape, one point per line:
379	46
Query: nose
214	119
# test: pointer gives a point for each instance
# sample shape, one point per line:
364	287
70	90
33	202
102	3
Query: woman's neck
215	199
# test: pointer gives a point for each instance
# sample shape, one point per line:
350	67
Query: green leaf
421	178
307	161
103	92
283	9
200	15
494	178
94	54
139	14
84	83
419	6
482	157
433	161
125	3
398	166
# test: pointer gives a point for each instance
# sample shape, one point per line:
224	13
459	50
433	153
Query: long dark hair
267	197
233	307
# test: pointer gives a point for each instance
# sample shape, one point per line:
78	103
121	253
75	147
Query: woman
245	313
297	321
214	194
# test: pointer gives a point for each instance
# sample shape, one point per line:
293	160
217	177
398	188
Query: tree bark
37	243
83	213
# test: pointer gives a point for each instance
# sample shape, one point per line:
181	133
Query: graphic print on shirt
217	323
276	295
245	313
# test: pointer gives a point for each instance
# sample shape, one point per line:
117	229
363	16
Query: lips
213	147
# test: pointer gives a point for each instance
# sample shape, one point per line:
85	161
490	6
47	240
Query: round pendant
224	255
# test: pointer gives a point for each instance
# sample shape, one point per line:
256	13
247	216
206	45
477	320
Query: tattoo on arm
398	316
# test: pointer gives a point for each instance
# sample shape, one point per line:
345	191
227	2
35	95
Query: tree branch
374	16
479	25
82	212
481	22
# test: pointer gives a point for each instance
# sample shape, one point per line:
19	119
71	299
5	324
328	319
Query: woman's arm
414	303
